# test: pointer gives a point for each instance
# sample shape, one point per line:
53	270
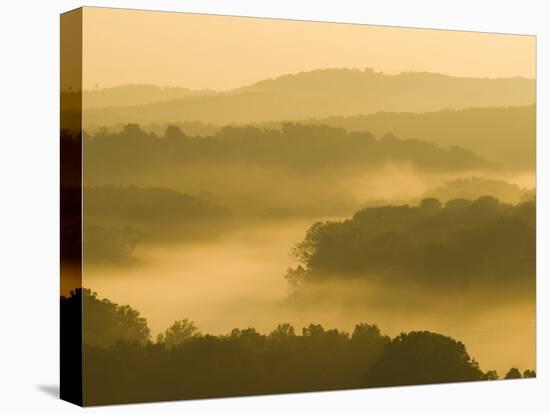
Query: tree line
295	146
462	244
122	364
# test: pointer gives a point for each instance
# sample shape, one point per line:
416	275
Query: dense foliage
105	323
122	364
243	362
294	146
433	246
423	358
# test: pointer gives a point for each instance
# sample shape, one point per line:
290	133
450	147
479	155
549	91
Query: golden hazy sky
217	52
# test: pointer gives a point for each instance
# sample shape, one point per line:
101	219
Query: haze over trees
316	167
296	147
262	212
119	218
156	214
411	214
472	188
504	134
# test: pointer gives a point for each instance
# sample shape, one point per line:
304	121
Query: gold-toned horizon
172	49
98	88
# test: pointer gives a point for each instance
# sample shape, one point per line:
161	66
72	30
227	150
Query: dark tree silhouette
283	332
513	373
422	358
105	322
490	376
297	147
122	365
481	243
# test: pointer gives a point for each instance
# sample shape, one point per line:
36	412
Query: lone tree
529	373
513	374
422	358
490	376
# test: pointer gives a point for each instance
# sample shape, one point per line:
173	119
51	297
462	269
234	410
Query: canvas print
254	206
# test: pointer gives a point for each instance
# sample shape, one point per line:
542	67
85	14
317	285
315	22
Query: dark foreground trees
243	362
104	322
246	362
423	358
514	373
121	363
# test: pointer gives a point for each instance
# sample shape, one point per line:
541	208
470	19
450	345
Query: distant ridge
319	93
138	95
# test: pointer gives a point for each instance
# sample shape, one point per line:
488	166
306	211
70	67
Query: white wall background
29	102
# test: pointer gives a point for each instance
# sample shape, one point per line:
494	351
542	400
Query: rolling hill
323	93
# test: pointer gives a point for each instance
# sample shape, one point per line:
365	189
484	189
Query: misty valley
280	238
